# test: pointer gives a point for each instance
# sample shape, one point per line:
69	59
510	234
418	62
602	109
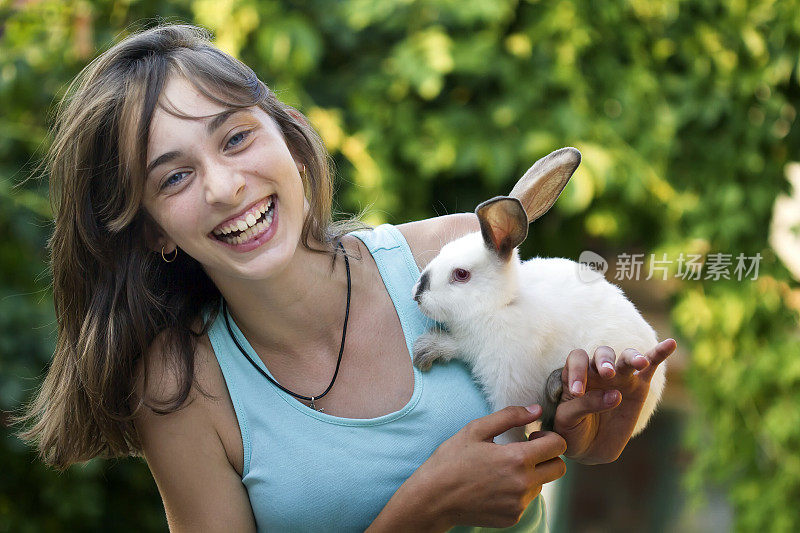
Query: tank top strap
399	271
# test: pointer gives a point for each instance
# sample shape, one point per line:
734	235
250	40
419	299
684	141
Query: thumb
488	427
571	413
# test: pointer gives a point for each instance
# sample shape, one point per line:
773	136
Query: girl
213	319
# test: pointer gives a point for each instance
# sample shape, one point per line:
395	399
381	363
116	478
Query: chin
260	264
272	261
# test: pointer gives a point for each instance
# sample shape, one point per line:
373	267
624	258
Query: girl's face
224	189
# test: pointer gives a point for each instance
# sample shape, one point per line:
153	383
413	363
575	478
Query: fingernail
610	397
607	365
640	356
577	387
533	408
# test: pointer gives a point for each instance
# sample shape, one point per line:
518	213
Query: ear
541	185
155	238
504	224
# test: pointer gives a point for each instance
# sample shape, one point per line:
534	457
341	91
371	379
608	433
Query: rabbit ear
504	224
541	185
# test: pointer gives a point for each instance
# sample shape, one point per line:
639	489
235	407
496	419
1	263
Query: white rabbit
515	322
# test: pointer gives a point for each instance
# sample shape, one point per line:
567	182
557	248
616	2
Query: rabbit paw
552	396
430	347
425	352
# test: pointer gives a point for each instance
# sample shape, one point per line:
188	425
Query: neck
296	313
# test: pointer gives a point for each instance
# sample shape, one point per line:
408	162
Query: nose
422	285
223	184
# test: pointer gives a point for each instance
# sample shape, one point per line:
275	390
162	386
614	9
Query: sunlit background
685	113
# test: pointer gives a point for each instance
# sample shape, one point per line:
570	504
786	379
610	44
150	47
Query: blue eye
242	135
174	179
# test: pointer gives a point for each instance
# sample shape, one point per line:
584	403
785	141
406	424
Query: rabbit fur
514	322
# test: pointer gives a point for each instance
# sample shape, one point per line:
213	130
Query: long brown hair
113	295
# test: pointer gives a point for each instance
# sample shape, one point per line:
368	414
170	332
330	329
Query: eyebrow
220	119
212	126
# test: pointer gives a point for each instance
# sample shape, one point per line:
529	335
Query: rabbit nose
423	285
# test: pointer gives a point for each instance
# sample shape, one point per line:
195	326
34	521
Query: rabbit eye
459	274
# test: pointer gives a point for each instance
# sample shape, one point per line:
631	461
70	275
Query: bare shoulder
184	449
159	376
426	237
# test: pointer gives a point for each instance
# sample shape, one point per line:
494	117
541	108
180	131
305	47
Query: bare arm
470	480
200	488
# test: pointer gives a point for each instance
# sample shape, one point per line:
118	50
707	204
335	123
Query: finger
537	434
658	355
543	447
575	372
603	361
631	360
488	427
571	413
550	470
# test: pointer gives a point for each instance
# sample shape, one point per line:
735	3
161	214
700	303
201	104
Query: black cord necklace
341	347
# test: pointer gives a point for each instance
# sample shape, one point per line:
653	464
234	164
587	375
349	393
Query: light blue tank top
310	471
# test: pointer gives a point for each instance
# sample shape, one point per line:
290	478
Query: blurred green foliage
685	112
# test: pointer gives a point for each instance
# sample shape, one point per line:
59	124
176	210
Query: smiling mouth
252	225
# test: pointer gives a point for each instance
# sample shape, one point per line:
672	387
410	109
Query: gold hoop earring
174	257
303	173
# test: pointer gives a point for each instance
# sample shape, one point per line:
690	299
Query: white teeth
249	227
248	221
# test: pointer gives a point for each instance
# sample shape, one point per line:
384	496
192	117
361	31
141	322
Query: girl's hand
470	480
597	424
